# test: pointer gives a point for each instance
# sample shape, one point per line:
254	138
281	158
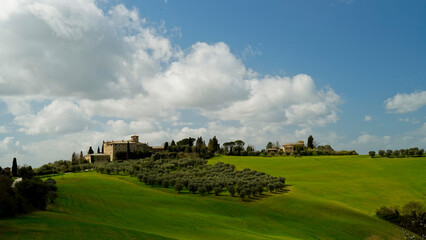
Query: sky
351	73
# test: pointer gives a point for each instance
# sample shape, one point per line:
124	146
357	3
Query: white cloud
366	138
8	7
3	129
77	50
403	103
40	152
9	148
367	118
122	128
208	76
7	144
175	124
367	142
287	100
331	138
17	105
57	118
186	131
70	24
302	133
129	107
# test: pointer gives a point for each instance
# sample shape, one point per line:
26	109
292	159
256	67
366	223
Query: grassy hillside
330	198
361	182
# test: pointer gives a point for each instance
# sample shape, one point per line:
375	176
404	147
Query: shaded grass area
330	198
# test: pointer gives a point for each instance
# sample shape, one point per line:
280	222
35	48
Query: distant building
7	170
289	147
112	147
272	150
158	149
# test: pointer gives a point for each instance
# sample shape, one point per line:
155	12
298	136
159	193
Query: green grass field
329	198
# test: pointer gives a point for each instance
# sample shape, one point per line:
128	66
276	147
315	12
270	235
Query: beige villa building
289	147
272	150
112	147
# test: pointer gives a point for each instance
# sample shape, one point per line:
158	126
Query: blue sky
351	73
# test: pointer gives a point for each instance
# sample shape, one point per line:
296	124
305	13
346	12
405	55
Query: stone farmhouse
289	147
112	147
272	150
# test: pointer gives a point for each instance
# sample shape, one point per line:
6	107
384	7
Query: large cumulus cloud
285	100
56	118
73	48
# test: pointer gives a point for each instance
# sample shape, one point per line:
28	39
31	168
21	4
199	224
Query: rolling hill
330	197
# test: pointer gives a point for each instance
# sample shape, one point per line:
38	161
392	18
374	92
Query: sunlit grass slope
330	198
359	182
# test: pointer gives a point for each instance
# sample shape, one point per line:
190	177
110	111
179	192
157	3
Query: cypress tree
210	145
14	168
103	142
191	141
199	144
216	144
74	157
99	151
310	142
90	150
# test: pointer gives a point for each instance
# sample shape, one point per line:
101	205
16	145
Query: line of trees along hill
310	149
195	176
239	148
401	153
191	147
321	150
24	196
62	166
